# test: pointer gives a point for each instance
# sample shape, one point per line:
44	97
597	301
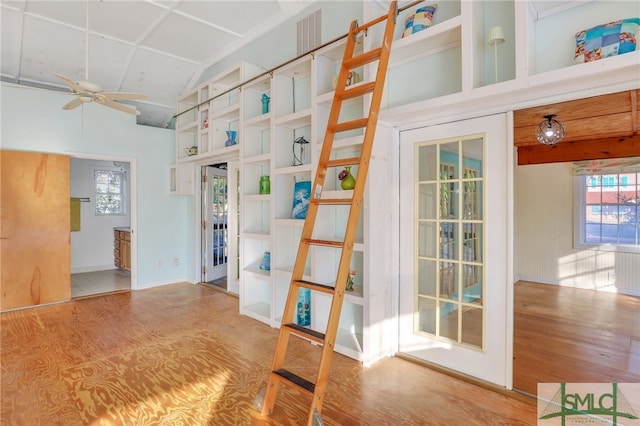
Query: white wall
269	51
32	120
92	246
544	243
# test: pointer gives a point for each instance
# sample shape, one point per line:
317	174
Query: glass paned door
216	238
452	307
449	258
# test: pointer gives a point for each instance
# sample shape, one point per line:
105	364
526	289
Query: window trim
579	220
123	190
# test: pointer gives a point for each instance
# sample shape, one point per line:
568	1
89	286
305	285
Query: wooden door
35	249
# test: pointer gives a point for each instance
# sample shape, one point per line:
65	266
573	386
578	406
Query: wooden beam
607	116
565	151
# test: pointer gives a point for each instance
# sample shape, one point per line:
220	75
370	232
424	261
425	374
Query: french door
453	240
215	239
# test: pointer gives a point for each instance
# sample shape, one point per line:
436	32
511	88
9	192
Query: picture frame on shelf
301	199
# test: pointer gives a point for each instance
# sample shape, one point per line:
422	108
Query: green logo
586	403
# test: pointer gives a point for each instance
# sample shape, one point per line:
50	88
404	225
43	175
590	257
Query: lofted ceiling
156	47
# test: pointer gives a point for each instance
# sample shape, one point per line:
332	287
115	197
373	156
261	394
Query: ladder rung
354	91
327	243
329	289
308	333
350	125
365	58
351	161
333	201
371	23
294	380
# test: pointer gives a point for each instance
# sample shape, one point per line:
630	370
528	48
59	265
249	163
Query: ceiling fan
87	91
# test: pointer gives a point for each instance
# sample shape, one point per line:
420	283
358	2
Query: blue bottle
265	103
303	313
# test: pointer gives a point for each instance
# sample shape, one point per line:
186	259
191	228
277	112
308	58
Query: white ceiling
156	47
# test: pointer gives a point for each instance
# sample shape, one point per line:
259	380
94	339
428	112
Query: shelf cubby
252	98
286	243
252	172
256	214
256	137
282	187
292	85
286	132
552	42
256	297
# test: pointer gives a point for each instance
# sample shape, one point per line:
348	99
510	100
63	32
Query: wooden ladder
266	399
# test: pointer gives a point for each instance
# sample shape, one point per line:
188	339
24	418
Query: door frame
133	205
233	163
206	251
506	154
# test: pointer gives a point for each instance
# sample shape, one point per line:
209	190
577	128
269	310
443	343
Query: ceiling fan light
550	131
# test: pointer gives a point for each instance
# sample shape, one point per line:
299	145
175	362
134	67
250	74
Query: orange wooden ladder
266	399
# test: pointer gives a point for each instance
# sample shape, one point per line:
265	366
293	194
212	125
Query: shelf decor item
611	39
231	138
301	198
265	263
347	181
265	185
420	20
191	151
298	157
303	314
495	36
265	103
352	78
350	278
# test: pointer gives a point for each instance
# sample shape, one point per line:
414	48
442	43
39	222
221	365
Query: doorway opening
215	225
101	237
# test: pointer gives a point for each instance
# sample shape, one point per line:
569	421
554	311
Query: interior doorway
215	224
102	238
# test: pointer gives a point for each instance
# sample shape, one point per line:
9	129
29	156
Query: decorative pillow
602	41
420	20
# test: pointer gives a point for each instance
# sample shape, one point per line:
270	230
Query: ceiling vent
309	29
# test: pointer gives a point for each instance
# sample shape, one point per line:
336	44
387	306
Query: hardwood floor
564	334
182	354
91	283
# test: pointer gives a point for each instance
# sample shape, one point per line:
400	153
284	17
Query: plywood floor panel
182	354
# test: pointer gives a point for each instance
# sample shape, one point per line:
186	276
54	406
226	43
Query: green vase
348	182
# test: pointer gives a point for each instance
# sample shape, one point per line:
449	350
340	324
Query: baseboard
144	286
95	268
608	288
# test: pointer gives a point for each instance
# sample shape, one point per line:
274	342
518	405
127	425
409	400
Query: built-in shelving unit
446	70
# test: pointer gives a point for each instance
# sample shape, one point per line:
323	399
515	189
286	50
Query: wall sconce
495	36
299	155
550	131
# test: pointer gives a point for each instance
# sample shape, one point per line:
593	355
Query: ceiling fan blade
116	105
73	104
120	96
75	87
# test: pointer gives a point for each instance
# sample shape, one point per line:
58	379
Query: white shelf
259	311
442	36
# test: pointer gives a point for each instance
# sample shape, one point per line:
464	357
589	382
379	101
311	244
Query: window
450	262
110	195
608	211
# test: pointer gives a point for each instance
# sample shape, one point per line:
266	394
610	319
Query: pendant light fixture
550	131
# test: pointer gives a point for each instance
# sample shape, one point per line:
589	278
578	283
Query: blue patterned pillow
602	41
